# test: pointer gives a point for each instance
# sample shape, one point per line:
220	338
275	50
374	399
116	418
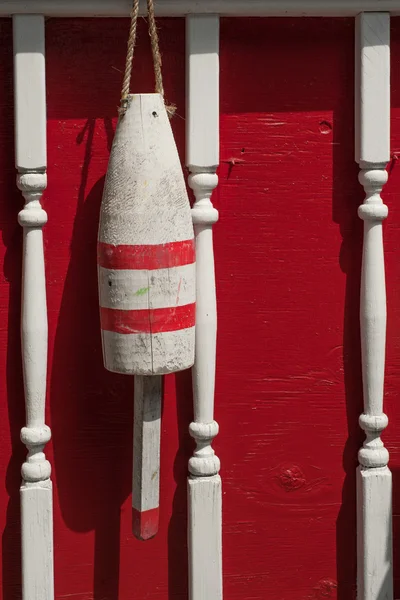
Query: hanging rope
130	50
155	49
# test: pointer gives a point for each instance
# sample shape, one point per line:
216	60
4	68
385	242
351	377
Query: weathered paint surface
145	231
288	252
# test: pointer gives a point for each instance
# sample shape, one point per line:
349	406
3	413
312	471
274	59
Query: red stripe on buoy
157	256
156	320
145	524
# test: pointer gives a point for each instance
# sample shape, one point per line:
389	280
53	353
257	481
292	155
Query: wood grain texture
288	268
288	262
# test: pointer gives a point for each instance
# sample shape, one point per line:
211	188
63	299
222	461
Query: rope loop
155	49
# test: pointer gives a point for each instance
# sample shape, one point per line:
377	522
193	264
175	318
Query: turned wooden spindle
204	482
203	429
30	157
205	496
36	434
374	480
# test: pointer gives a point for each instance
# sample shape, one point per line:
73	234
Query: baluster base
374	532
37	540
205	543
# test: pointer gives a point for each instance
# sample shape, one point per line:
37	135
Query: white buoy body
146	254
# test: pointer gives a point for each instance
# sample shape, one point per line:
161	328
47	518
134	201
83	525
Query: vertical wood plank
372	90
374	480
30	159
30	92
202	90
204	483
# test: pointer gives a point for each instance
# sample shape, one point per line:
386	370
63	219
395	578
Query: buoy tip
145	524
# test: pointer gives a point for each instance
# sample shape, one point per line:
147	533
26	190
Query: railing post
202	158
374	480
30	159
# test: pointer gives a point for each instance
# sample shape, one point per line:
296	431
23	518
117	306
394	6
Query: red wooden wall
288	249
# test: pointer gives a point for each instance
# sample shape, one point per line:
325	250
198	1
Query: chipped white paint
30	156
204	482
146	456
179	8
146	248
374	480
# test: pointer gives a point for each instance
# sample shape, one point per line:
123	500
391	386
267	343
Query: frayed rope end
123	107
171	110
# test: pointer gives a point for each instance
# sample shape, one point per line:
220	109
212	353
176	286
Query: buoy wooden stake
146	456
146	266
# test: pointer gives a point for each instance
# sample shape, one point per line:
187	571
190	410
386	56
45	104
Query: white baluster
30	146
204	483
374	480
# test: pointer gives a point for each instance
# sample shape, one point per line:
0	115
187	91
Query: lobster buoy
145	252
